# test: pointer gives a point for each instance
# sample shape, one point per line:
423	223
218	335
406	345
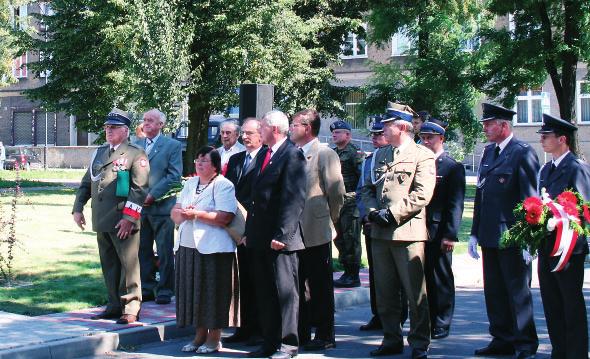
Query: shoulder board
523	144
370	154
580	161
135	146
357	148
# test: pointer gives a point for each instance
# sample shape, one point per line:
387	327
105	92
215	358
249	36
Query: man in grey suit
165	158
325	197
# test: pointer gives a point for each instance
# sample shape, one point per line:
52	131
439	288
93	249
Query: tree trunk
198	116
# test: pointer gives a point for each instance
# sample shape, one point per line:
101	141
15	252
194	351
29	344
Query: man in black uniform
561	280
507	175
443	219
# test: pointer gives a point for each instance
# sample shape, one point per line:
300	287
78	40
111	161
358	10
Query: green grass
57	266
27	184
470	191
65	174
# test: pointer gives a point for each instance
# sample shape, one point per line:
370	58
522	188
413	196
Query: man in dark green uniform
116	181
348	240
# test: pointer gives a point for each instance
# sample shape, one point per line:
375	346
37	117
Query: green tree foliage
549	38
7	48
436	74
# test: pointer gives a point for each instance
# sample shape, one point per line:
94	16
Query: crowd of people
273	282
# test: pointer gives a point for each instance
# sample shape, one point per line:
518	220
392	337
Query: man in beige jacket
324	199
402	184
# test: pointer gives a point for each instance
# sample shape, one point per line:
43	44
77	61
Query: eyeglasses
202	161
249	133
112	127
377	134
298	124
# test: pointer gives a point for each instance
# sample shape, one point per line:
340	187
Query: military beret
118	118
552	124
495	112
433	127
397	111
340	125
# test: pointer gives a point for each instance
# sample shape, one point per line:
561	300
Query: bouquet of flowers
537	218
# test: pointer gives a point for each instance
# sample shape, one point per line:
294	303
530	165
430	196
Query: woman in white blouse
207	291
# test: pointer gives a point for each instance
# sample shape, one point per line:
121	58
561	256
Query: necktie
266	159
247	161
496	152
551	169
111	151
148	145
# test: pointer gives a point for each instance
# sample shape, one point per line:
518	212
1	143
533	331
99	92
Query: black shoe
253	341
147	297
282	355
373	324
419	353
525	354
261	353
439	333
237	337
387	350
163	299
106	315
348	281
495	348
319	344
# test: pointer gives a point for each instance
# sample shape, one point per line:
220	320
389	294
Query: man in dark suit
561	281
273	232
443	219
507	175
325	196
165	156
116	183
241	172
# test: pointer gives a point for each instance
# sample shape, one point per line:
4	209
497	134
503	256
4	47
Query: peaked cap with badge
433	127
398	111
495	112
553	124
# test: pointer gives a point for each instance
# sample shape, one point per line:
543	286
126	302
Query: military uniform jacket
404	184
351	158
501	184
445	210
325	195
100	183
572	173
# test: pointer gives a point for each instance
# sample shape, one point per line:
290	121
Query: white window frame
401	38
44	73
355	49
529	97
17	71
579	97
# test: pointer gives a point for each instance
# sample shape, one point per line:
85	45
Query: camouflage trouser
348	240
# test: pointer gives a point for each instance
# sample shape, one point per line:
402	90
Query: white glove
527	257
472	247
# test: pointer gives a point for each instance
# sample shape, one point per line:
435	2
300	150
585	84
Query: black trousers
509	302
369	248
564	307
248	311
276	284
159	229
440	285
316	293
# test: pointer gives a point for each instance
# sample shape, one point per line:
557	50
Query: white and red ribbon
132	209
565	238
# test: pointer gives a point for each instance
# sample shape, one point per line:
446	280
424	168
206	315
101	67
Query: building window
401	44
19	17
355	46
530	106
19	66
351	106
583	101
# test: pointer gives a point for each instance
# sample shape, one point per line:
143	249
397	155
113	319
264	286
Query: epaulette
524	144
580	161
135	145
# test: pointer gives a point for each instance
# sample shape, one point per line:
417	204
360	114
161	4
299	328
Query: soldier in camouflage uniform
117	183
348	240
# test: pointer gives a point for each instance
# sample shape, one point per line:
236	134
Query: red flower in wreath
586	213
531	202
533	214
571	209
567	197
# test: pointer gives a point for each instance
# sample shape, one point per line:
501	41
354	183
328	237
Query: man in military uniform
348	229
561	283
404	180
116	181
507	175
443	219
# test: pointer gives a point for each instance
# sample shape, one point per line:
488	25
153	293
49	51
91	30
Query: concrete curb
103	342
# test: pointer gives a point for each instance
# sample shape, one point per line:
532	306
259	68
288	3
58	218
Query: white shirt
306	147
206	238
276	146
437	155
149	143
226	154
504	143
557	161
253	153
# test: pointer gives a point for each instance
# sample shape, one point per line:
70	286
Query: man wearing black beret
560	279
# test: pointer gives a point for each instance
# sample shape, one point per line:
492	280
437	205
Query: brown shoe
127	319
106	315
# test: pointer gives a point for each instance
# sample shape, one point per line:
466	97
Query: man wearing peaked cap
348	229
506	176
419	118
116	182
561	284
443	219
399	111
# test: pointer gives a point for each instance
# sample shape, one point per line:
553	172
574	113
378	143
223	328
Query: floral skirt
207	289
